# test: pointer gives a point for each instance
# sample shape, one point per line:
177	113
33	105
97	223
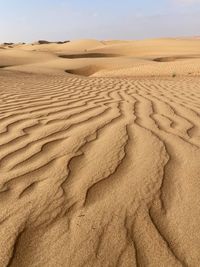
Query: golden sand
99	154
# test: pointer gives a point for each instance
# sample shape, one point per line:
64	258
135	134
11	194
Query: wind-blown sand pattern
101	170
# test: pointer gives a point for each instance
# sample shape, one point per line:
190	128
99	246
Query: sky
53	20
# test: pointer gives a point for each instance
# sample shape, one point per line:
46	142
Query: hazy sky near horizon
31	20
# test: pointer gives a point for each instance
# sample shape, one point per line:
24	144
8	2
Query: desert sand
100	153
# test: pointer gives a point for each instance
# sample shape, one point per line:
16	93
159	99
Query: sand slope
161	57
99	171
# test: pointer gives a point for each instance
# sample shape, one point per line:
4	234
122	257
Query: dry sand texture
100	170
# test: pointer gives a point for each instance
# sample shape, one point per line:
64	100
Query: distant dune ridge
99	153
107	58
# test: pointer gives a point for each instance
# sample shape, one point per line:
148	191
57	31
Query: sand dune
107	58
100	170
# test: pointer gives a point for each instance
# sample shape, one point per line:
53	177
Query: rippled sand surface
99	170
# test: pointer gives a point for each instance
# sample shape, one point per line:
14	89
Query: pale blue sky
30	20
